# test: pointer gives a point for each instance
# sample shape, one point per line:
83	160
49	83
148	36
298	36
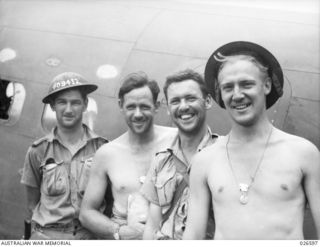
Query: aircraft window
7	54
48	120
5	101
107	71
12	96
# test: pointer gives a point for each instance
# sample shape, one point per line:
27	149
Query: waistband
74	224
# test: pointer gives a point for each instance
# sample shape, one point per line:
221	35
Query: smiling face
244	88
139	109
187	106
69	106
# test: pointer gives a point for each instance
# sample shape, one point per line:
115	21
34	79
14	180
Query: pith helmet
68	80
244	48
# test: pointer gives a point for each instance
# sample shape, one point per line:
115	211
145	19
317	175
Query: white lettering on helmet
75	81
69	82
58	84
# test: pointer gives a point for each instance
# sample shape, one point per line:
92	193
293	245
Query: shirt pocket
55	179
166	184
85	167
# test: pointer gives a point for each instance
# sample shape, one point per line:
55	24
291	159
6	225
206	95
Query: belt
71	226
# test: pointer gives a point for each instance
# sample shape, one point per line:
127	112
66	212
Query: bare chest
128	171
276	179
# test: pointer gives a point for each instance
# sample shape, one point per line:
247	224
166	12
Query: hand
138	208
131	232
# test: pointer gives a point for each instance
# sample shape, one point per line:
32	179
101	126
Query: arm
153	222
199	201
90	215
31	178
312	185
148	190
33	198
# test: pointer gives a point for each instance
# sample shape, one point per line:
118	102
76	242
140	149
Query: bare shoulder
109	151
165	135
297	144
165	130
299	149
210	155
215	149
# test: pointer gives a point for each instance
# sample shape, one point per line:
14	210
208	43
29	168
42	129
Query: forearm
149	232
29	212
190	234
98	223
153	222
33	198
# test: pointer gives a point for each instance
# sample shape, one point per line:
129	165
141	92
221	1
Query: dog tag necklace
243	187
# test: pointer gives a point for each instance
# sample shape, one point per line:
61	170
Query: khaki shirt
162	182
61	177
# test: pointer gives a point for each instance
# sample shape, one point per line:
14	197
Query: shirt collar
206	139
175	147
88	134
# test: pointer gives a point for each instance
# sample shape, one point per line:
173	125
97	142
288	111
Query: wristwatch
116	234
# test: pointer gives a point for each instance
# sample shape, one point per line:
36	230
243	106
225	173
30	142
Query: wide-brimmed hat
261	54
68	80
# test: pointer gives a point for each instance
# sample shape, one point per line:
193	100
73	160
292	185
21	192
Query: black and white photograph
159	120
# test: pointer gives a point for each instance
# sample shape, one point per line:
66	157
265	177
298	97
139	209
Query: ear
86	104
168	112
52	106
267	86
157	106
208	102
120	103
164	101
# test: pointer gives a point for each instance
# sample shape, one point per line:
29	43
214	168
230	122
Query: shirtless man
125	162
258	177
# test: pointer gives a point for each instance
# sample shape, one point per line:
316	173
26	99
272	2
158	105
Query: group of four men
253	183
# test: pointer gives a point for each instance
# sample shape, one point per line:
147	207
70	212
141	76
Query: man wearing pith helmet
258	177
57	166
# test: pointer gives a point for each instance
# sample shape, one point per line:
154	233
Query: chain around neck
258	164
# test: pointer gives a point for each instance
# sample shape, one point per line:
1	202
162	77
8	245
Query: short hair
138	80
245	57
184	75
